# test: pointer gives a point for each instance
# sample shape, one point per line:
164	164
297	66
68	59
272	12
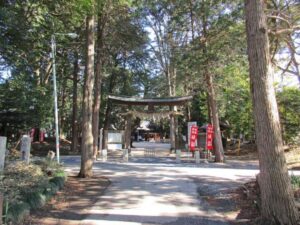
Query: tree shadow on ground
166	183
70	203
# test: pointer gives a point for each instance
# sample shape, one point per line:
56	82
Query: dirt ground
72	203
243	203
246	198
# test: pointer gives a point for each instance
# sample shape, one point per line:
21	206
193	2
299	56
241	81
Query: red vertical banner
32	133
42	135
209	137
193	137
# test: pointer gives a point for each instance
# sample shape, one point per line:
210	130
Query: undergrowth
29	186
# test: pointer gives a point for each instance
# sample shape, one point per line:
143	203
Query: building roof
169	101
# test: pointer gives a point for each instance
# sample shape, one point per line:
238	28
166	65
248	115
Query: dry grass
293	157
21	178
249	152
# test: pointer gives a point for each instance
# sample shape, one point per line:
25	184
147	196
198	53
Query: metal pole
53	45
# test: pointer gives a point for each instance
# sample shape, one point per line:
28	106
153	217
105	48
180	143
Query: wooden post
2	152
25	148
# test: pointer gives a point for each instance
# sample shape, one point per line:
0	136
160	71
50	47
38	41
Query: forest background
143	48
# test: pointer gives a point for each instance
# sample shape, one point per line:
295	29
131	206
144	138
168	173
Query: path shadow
70	204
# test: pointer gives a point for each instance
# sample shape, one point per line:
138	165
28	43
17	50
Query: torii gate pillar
172	132
128	126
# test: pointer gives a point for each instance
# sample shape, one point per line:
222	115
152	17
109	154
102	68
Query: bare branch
285	30
286	70
280	18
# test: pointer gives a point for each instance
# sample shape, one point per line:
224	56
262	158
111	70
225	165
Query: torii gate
151	103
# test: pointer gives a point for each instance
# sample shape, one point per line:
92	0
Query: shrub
20	178
49	167
28	186
59	173
295	180
59	181
17	212
289	109
35	199
51	190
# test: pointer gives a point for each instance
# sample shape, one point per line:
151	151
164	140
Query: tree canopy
148	48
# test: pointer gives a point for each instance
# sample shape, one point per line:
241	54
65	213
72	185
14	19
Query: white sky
4	74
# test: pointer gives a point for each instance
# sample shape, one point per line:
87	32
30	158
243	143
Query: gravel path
147	191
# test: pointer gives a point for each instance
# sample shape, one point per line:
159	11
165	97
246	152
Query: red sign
209	137
42	136
32	132
193	137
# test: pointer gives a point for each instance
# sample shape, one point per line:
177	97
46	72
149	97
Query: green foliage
51	189
289	109
199	106
234	99
295	181
141	43
35	199
58	181
25	51
20	101
59	173
25	98
17	212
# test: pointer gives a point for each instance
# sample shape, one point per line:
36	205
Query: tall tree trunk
63	103
278	205
212	104
37	73
213	110
86	169
98	81
47	72
75	106
171	93
209	111
186	91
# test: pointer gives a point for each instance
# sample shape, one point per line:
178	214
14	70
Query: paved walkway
146	191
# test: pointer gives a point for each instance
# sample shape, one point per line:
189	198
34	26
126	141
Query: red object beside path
193	137
209	137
